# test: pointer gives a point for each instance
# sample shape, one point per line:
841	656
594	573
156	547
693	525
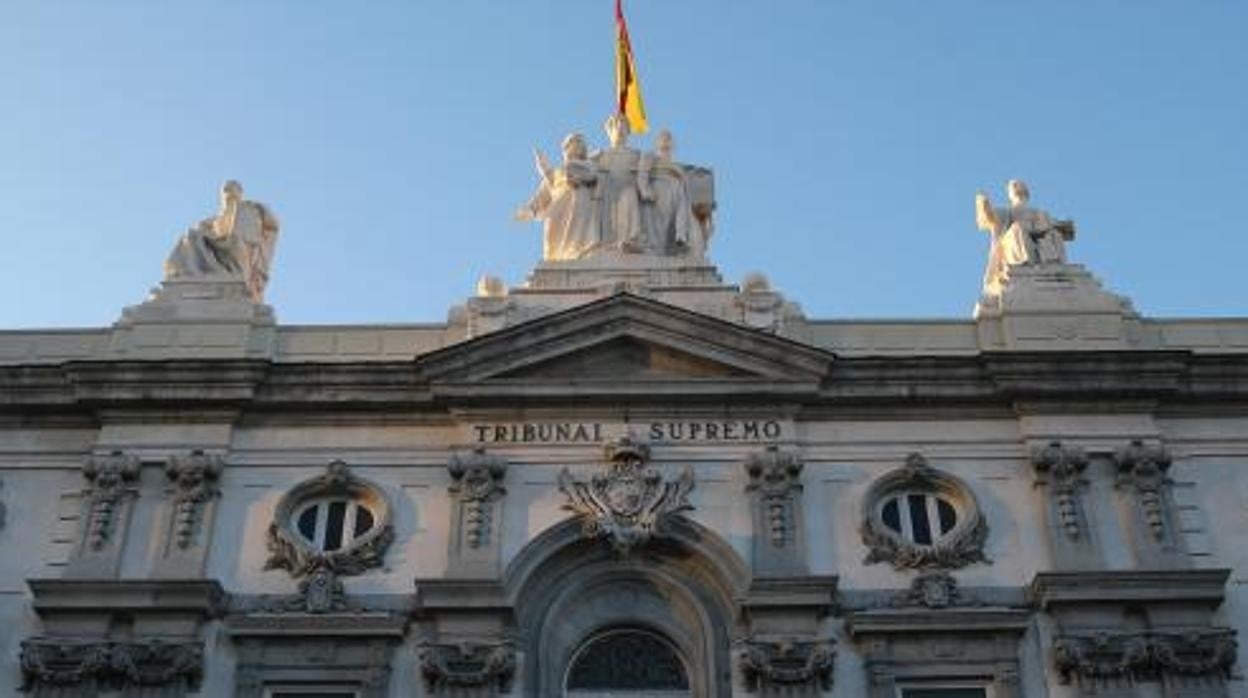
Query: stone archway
567	591
627	663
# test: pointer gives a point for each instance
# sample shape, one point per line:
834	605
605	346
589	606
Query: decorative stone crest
1146	655
448	667
109	665
194	477
1144	467
111	477
776	476
933	590
961	546
289	551
786	663
477	480
1062	467
629	503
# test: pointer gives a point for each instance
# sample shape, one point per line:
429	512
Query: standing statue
672	225
623	185
564	202
237	243
1020	235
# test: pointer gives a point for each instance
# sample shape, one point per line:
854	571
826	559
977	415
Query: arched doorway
577	601
627	663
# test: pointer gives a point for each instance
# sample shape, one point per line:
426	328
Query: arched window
627	663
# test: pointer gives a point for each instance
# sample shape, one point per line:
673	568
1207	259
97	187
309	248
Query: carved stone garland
111	477
289	551
962	546
194	478
629	503
107	664
467	665
1144	467
476	482
1145	655
776	476
1063	466
786	663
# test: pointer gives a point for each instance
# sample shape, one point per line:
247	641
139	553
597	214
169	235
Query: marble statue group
620	200
237	243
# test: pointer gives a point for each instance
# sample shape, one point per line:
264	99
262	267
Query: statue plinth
1054	307
209	316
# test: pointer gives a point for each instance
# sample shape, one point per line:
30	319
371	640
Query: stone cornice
943	620
199	597
990	381
1205	587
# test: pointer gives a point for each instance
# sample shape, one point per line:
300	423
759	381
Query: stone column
1060	469
107	502
775	488
476	515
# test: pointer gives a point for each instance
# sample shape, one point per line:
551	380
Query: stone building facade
626	477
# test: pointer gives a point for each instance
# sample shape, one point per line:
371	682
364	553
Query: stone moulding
194	477
289	551
477	480
467	665
1145	655
786	663
776	477
1062	467
112	480
53	661
630	503
962	546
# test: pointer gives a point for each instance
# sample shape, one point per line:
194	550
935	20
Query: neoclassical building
625	477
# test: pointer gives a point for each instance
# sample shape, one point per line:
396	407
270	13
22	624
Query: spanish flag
628	90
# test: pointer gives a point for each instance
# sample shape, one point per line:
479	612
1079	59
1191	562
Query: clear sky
393	141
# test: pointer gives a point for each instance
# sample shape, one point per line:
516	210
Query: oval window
331	524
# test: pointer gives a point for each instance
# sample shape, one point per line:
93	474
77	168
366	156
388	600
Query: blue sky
393	140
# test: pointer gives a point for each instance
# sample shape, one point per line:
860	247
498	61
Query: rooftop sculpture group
620	200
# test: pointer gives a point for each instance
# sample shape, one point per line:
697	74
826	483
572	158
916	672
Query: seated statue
1020	235
237	243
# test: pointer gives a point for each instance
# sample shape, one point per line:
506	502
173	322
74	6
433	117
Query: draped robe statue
671	223
1020	235
237	243
564	202
623	185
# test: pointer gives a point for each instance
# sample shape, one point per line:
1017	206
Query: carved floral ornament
775	476
787	663
918	517
112	479
468	665
1062	467
1145	467
630	502
1145	655
350	546
194	478
477	481
108	664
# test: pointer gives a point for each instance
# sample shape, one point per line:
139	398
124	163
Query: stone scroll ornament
112	479
630	502
194	477
477	480
777	477
1145	468
289	551
1063	466
962	546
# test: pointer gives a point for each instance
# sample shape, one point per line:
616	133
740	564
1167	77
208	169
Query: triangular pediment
626	340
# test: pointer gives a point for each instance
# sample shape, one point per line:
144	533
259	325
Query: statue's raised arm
985	216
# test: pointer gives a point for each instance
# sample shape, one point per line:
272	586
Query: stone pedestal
1055	306
200	318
